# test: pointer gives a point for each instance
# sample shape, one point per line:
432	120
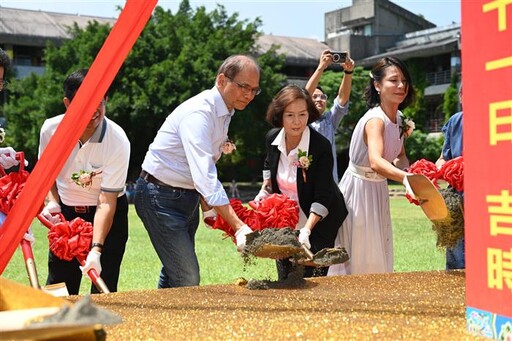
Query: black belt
80	209
150	178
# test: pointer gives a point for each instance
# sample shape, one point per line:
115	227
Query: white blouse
287	171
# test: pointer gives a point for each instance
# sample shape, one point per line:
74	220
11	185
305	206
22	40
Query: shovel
273	243
92	273
324	257
58	289
431	200
276	251
28	255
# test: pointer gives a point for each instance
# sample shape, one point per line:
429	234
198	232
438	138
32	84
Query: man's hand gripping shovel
77	234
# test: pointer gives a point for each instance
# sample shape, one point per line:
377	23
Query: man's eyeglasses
323	97
3	84
246	89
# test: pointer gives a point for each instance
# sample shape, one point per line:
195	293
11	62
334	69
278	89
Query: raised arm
346	83
325	61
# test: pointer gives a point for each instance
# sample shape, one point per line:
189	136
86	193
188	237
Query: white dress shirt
188	144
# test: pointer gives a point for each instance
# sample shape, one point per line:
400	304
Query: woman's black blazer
319	186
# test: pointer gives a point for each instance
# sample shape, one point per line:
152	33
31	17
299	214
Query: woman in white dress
376	148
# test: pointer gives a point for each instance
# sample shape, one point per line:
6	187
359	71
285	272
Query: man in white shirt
331	119
179	170
101	156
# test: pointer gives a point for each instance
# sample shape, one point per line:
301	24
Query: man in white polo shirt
91	186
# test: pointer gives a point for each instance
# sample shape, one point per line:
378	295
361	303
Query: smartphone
339	57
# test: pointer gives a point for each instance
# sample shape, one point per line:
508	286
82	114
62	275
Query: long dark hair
378	72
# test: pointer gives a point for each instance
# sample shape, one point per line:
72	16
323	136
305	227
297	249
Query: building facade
24	34
369	29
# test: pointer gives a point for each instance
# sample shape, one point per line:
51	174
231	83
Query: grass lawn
414	245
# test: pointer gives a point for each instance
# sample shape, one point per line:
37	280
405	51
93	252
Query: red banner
487	105
118	44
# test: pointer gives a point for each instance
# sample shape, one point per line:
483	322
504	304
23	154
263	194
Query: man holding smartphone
329	121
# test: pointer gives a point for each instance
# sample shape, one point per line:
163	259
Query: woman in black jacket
299	164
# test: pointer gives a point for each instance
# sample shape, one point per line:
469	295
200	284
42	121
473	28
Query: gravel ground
399	306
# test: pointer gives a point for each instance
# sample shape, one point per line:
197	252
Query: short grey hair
233	65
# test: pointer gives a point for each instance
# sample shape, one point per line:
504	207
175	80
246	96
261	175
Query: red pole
118	44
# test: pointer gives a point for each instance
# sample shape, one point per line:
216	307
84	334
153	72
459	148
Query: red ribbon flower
70	239
12	184
427	168
241	212
411	200
453	172
275	211
278	211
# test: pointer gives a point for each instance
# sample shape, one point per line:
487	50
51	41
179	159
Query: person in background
179	171
101	158
452	148
330	119
233	189
7	154
377	145
298	164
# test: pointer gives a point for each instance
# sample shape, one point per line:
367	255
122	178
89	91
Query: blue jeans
455	256
171	217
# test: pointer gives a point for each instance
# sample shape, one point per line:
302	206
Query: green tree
417	110
330	83
451	98
29	101
35	98
422	146
176	57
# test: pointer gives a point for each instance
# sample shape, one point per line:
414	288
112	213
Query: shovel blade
276	251
431	200
57	289
326	257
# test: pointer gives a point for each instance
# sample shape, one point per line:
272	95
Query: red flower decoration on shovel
12	184
72	239
427	168
453	172
275	211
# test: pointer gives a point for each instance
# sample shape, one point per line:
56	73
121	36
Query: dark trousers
456	256
69	272
285	266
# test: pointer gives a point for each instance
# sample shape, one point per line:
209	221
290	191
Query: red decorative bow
452	172
69	239
275	211
427	168
12	184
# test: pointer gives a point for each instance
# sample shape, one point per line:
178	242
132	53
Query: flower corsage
303	161
83	178
407	127
228	147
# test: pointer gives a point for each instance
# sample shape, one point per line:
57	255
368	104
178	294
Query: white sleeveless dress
366	233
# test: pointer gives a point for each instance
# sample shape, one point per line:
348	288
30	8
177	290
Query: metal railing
440	77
